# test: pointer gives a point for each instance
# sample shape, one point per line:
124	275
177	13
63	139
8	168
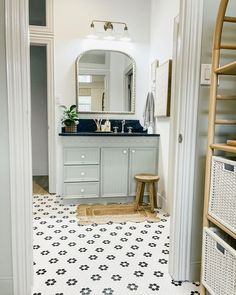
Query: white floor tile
119	259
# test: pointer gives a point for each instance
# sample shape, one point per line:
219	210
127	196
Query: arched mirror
105	82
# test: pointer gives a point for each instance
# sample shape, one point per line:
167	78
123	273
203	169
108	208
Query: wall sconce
108	33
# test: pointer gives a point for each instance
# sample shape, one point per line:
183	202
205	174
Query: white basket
219	262
222	204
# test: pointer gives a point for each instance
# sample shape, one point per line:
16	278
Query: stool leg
151	195
155	195
139	195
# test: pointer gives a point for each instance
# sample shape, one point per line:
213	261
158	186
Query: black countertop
106	134
87	127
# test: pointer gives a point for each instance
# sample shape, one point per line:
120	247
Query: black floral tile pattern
112	259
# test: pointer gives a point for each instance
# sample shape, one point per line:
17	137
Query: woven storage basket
222	204
219	262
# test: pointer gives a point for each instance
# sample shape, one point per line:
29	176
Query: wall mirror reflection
105	82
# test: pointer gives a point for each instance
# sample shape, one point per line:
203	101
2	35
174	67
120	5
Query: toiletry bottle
108	125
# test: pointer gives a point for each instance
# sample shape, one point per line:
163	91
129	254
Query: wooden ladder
228	69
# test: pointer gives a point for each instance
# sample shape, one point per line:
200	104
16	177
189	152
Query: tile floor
120	259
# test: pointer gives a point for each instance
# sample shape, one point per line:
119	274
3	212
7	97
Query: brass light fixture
108	33
108	26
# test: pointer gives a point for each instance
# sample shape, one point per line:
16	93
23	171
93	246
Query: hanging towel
148	114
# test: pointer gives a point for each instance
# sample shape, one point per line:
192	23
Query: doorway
42	115
39	118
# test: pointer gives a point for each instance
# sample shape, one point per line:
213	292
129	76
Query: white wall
163	13
72	25
71	41
6	284
39	124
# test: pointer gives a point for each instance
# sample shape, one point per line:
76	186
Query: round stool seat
145	177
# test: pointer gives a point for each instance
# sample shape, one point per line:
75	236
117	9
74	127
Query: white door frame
48	42
174	112
18	87
18	76
184	121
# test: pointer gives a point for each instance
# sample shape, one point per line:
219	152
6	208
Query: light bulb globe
125	36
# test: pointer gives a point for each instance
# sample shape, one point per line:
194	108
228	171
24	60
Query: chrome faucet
122	126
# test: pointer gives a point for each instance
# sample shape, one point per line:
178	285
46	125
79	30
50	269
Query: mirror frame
133	98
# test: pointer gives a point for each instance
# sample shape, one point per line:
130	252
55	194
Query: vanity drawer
81	189
81	173
77	156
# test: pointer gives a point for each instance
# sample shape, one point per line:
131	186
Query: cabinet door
114	172
142	160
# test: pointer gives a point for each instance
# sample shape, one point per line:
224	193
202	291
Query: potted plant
70	118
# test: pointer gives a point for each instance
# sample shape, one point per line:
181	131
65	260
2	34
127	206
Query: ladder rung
230	19
226	97
223	147
228	46
225	122
228	69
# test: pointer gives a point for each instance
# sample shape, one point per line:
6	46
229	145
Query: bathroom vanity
100	167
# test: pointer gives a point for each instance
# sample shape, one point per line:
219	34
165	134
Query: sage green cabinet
141	160
81	172
101	169
118	167
114	172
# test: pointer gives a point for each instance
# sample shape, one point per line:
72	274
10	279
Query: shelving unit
228	69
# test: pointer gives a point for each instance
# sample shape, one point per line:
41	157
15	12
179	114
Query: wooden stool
151	180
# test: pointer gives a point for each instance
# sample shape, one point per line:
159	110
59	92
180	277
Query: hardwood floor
40	185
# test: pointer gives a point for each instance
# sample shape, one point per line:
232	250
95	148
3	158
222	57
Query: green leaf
72	107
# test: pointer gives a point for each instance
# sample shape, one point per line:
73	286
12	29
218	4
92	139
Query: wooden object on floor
150	180
103	213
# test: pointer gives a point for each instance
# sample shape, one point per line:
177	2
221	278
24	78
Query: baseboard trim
160	196
162	202
6	285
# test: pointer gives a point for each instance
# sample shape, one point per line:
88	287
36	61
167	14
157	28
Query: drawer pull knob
83	156
124	152
82	173
82	190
